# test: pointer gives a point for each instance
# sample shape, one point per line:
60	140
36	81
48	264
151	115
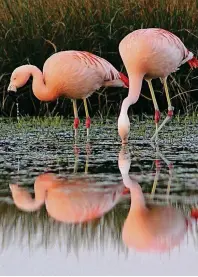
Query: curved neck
35	204
135	84
24	201
39	88
137	196
39	200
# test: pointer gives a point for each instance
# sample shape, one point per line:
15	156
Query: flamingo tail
124	79
193	62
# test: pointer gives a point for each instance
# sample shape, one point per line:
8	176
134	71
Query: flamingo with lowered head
153	228
73	74
149	54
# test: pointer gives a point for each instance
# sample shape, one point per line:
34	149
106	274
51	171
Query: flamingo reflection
154	228
70	200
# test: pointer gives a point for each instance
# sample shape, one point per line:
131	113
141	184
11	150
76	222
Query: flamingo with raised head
73	74
149	54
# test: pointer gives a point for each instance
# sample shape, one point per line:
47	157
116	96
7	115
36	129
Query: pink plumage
73	74
149	54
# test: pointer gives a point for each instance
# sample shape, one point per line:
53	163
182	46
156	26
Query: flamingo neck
39	87
40	195
135	84
36	204
137	196
23	200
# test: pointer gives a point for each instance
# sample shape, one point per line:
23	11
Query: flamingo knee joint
76	123
88	122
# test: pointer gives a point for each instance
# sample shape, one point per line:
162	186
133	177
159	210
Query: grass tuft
30	31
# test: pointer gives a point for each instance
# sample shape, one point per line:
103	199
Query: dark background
33	30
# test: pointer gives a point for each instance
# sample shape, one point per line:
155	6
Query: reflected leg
157	173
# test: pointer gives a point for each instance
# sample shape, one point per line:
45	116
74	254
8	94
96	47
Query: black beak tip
12	93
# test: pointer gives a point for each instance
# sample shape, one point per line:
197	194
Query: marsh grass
30	31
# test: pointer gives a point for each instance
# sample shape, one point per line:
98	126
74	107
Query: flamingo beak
11	88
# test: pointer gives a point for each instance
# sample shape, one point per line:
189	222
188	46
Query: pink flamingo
149	54
155	228
72	201
73	74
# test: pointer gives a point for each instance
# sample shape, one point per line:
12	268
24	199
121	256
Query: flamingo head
19	78
123	127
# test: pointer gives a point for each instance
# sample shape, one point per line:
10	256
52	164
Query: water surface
67	209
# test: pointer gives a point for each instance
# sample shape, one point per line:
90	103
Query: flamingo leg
157	112
88	120
170	109
76	118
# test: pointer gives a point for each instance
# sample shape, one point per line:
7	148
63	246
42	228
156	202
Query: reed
30	31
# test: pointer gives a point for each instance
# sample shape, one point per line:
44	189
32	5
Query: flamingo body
157	229
73	74
71	201
153	52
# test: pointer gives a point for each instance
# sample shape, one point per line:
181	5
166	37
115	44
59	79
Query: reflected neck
137	196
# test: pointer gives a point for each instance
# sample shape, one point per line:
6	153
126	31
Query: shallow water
82	220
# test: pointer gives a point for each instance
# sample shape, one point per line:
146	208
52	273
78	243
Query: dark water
68	210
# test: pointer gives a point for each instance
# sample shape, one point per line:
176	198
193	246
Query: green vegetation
30	31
